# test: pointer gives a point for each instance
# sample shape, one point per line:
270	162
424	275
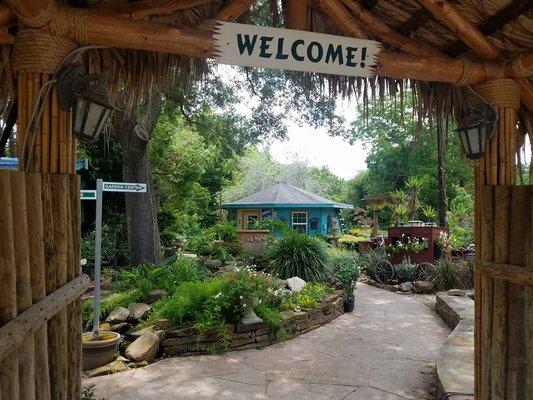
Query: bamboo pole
516	379
9	387
529	306
26	365
54	129
499	319
59	185
487	254
29	9
6	15
22	112
28	151
37	268
234	10
38	140
45	133
341	17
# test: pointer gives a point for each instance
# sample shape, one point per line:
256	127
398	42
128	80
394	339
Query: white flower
244	305
240	297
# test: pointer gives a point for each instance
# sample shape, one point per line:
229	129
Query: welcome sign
259	46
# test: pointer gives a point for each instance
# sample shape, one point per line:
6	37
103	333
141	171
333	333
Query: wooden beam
6	14
145	8
6	38
505	272
418	19
297	14
234	10
386	34
494	23
141	35
450	17
29	8
526	93
342	18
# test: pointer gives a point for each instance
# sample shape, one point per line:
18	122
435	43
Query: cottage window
299	221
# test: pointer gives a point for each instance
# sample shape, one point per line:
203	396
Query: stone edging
455	363
187	341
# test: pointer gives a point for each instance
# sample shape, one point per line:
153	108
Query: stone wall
187	341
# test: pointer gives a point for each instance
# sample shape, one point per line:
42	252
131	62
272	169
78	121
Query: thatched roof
508	25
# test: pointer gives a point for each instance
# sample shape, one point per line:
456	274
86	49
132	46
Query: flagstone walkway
385	350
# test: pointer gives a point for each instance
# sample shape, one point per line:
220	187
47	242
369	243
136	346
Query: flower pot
96	353
349	305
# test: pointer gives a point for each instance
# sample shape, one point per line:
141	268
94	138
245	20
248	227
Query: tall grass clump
447	275
297	254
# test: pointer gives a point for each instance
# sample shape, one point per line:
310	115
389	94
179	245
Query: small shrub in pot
346	270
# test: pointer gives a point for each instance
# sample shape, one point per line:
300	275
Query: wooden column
46	228
500	306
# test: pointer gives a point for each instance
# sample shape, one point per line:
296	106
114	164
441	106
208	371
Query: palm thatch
508	25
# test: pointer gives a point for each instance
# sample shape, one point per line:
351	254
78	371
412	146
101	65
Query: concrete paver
385	350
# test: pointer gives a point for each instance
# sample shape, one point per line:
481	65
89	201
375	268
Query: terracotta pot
96	353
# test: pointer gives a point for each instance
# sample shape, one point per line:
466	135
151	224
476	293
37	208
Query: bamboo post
529	305
38	280
9	386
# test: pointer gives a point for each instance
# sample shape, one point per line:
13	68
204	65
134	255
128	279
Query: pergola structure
448	50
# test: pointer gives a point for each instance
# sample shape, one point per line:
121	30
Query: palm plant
430	212
414	184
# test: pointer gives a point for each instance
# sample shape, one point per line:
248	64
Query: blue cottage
297	208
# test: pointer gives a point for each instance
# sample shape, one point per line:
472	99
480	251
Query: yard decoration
434	35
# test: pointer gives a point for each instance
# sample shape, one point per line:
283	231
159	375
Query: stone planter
96	353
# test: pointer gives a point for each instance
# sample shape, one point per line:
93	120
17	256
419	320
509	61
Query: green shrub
405	271
297	254
346	270
468	270
271	316
447	275
225	231
114	245
368	260
108	304
310	297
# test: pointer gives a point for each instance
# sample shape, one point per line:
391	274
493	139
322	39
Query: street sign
124	187
88	195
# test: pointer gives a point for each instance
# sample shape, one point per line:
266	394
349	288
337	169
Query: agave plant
400	213
430	212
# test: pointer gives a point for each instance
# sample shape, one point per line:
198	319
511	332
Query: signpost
97	195
266	47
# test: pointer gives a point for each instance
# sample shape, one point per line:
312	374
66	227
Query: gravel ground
427	299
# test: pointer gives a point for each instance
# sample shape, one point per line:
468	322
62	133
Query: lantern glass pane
103	121
474	139
464	141
93	118
79	114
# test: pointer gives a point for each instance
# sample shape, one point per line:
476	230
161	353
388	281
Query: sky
315	146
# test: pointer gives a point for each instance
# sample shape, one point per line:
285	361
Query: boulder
295	284
137	334
156	294
162	323
422	287
406	286
139	310
119	314
144	348
457	292
111	368
105	326
122	327
213	265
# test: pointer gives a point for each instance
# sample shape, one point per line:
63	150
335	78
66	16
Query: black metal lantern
476	129
89	99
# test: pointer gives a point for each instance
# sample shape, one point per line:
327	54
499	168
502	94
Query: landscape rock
139	310
191	256
250	318
295	284
111	368
213	265
137	334
138	364
124	345
119	314
162	323
422	287
144	348
457	292
105	326
156	294
406	286
122	327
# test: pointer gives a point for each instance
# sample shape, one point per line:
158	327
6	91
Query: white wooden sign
259	46
124	187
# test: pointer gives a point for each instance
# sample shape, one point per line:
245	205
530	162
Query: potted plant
346	274
99	350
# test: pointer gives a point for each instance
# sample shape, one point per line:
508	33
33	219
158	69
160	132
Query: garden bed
187	341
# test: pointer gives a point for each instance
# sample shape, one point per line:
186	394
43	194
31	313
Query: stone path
385	350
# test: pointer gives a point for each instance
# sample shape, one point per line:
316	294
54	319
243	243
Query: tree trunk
441	162
141	209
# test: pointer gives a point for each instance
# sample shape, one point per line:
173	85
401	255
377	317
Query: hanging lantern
89	99
476	129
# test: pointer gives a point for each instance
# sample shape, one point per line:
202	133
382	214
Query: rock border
455	362
187	341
